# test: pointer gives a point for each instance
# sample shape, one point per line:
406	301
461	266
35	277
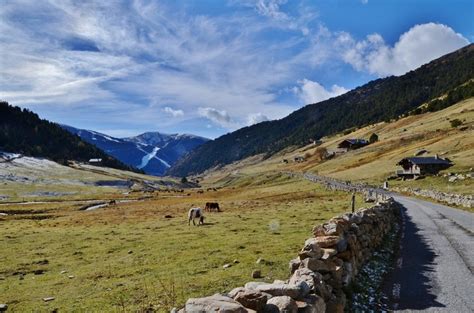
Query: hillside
152	152
431	131
379	100
22	131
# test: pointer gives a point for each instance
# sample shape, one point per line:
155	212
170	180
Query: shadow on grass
412	286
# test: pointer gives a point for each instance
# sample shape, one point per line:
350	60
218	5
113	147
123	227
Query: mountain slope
22	131
152	152
379	100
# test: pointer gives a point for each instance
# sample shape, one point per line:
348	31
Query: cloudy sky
208	67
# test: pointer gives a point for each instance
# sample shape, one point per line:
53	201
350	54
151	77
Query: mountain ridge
379	100
152	152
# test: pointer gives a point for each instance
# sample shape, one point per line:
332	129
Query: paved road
434	271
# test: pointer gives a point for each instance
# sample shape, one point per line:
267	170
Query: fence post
353	201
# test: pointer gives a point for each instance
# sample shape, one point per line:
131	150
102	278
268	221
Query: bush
184	180
373	138
455	123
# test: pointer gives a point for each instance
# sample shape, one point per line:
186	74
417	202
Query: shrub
455	123
373	138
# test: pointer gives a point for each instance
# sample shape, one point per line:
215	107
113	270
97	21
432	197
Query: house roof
356	141
426	160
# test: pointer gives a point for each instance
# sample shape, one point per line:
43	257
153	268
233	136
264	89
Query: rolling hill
380	100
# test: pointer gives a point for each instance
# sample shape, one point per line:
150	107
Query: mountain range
152	152
380	100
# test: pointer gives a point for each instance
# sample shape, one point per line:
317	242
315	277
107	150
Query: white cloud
419	45
312	92
220	117
364	1
256	118
173	112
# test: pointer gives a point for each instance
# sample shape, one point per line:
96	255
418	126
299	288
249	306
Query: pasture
141	255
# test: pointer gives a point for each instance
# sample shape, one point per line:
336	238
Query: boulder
235	291
252	299
215	303
281	304
322	266
3	307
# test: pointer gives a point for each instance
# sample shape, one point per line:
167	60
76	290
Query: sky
208	67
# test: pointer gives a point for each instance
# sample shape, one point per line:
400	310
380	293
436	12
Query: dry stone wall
328	262
466	201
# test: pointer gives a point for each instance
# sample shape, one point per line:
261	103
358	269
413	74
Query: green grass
169	260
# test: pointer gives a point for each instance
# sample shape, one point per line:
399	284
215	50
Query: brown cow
212	206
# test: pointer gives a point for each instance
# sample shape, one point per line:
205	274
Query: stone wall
466	201
327	263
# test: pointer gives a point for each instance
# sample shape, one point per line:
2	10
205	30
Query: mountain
22	131
379	100
152	152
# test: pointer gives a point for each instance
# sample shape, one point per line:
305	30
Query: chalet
419	166
95	161
299	159
352	144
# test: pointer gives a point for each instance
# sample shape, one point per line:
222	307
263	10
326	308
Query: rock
282	290
294	265
215	303
311	249
322	266
311	304
71	276
130	252
252	299
254	284
260	261
235	291
306	275
168	216
227	265
257	274
47	299
3	307
342	245
236	261
327	241
281	304
63	272
328	253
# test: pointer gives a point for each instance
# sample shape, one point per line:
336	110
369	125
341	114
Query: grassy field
131	257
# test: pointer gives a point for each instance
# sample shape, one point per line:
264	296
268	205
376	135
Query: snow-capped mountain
152	152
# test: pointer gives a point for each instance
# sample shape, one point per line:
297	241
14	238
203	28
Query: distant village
412	167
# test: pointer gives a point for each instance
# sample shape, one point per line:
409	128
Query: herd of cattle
197	213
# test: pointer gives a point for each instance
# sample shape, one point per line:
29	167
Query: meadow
141	255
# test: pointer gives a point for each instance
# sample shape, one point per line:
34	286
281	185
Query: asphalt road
434	269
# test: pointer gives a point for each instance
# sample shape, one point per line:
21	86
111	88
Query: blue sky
210	67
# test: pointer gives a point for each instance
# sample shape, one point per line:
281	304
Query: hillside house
95	161
299	159
419	166
352	144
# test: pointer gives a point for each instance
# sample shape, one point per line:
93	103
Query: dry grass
129	257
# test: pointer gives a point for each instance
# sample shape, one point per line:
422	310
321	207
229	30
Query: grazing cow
195	213
212	206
